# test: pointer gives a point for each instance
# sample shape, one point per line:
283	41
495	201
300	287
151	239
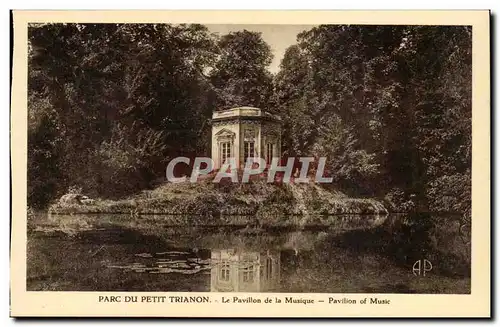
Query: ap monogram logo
421	267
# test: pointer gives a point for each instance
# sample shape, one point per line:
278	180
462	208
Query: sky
279	37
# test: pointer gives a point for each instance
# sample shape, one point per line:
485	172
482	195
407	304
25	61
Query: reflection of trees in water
349	260
404	239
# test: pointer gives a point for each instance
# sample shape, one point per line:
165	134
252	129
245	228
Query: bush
450	193
399	201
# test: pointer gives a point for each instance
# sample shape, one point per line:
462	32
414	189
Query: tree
390	106
291	96
114	102
240	76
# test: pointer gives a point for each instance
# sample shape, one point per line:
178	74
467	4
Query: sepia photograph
110	105
249	159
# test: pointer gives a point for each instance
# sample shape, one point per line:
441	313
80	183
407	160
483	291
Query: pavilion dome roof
243	111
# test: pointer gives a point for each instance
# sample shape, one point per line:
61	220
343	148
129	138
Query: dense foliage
390	106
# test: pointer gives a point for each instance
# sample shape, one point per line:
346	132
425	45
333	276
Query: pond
420	253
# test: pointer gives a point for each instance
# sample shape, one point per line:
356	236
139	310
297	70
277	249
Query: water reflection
244	271
230	270
180	262
116	254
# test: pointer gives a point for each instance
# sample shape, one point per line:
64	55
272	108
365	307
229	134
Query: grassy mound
264	200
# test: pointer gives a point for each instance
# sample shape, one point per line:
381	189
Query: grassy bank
263	200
